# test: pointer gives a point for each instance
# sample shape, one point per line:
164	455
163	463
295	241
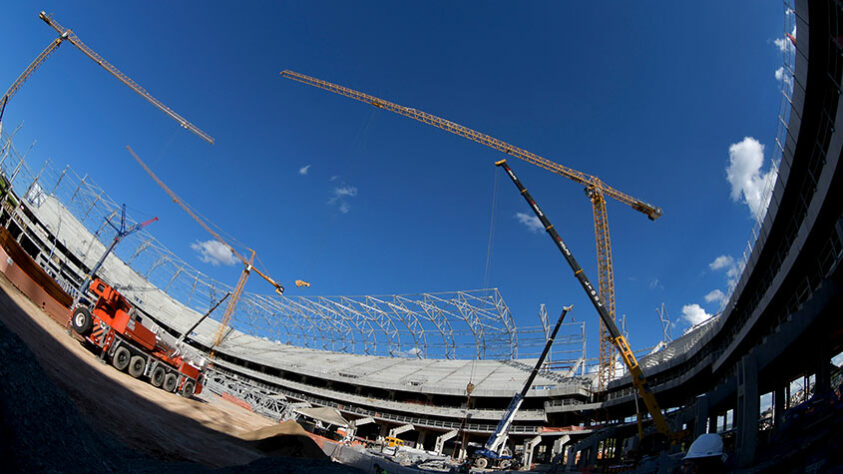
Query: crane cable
491	230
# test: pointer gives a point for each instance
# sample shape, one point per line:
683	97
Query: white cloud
715	295
784	76
728	263
345	190
214	252
341	194
722	261
745	176
785	44
655	284
532	223
694	314
304	169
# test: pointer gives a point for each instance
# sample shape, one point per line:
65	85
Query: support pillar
440	441
700	415
559	446
747	410
778	405
712	423
572	457
420	440
823	379
529	446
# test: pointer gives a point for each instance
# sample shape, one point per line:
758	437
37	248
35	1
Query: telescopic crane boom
247	264
618	339
595	189
68	35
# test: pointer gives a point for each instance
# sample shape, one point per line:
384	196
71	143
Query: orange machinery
114	327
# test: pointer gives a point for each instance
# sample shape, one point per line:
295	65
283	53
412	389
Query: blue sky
651	98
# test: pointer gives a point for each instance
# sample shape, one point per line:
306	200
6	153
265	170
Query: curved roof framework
452	325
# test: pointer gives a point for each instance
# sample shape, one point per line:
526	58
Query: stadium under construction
398	365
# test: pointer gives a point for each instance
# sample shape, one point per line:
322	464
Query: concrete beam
362	421
400	429
440	441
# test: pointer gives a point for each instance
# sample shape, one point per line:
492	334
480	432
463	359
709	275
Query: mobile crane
617	338
491	451
115	329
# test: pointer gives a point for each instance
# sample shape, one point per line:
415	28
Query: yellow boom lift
595	189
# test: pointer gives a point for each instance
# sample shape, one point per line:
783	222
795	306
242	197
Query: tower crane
595	189
68	35
247	264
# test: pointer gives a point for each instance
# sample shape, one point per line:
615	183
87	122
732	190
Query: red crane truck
116	331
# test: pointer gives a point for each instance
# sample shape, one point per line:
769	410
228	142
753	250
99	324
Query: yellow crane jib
594	187
68	35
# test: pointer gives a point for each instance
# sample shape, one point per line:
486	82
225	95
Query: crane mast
596	190
639	381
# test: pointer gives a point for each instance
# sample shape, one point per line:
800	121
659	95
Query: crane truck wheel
170	382
120	359
82	321
136	366
481	463
157	377
188	389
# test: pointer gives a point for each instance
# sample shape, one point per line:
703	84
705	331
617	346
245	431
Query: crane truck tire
120	359
481	463
136	366
188	389
170	381
82	321
157	377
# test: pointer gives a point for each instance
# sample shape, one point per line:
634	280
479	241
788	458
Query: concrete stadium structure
781	321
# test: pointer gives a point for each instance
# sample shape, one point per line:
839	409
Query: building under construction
399	365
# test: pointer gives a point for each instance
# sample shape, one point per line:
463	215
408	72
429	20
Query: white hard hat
707	445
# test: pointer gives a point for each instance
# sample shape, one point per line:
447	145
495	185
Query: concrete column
823	380
440	441
559	446
700	415
420	440
527	459
712	423
746	413
572	456
778	404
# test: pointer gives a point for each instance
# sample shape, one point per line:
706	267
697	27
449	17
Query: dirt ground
64	410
